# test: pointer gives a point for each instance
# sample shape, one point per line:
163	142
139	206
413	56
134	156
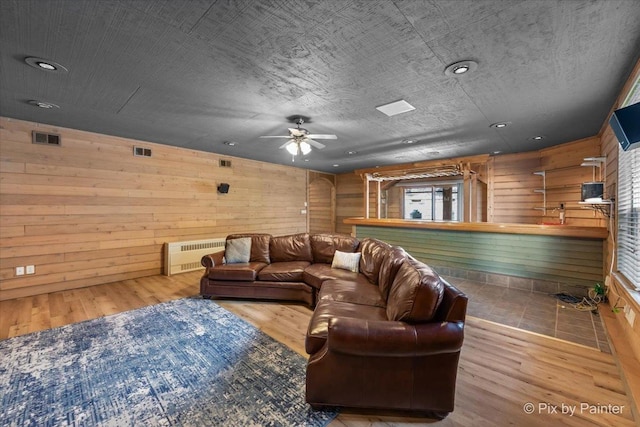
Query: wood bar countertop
487	227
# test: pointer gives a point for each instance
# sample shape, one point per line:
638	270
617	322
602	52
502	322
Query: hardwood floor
502	369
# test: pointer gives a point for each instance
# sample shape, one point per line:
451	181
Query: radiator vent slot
181	257
225	163
45	138
142	152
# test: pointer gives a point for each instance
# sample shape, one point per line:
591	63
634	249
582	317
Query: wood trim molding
487	227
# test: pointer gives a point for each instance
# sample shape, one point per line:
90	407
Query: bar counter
546	258
487	227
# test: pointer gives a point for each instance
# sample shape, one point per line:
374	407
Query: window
433	202
628	205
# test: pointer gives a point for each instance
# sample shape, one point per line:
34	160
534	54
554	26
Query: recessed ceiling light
43	104
460	67
499	125
351	153
408	141
336	165
230	143
395	108
496	152
45	65
537	138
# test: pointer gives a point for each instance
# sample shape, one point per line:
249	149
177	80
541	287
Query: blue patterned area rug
183	363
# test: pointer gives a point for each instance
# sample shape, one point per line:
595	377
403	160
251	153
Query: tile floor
533	311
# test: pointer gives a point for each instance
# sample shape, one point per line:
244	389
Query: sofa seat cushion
316	274
363	293
290	271
326	310
241	272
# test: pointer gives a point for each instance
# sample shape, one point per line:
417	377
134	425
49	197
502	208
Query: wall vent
45	138
180	257
142	152
225	163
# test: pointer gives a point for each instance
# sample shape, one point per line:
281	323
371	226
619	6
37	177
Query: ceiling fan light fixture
292	148
461	67
305	148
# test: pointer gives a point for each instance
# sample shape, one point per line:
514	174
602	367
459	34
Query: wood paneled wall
89	212
512	185
349	202
322	203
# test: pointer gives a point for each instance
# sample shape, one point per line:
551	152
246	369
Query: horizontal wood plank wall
565	176
577	262
321	206
511	188
349	200
89	212
512	185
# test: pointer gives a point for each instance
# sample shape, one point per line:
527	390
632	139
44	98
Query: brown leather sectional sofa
386	337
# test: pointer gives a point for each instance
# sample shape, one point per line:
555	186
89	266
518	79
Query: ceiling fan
300	140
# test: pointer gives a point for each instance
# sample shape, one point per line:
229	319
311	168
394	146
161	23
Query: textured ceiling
197	73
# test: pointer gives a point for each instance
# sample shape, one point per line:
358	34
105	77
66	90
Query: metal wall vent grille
142	152
45	138
225	163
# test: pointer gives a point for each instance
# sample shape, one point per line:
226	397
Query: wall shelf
542	191
603	206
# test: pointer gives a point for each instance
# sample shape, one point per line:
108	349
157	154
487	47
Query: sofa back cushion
294	247
389	268
415	294
323	246
373	252
259	245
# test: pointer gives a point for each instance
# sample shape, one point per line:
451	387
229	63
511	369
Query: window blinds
629	204
628	207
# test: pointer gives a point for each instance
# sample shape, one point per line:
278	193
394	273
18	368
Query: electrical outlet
31	269
19	271
629	314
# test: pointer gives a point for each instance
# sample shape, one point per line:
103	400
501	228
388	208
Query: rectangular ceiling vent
45	138
225	163
142	152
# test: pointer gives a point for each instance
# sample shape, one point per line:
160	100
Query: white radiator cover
180	257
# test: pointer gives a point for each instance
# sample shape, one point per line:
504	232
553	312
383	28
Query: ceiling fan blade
316	144
321	136
279	136
286	143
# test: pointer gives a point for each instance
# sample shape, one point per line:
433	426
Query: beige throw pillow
346	261
237	250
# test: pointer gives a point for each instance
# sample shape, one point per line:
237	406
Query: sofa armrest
394	339
209	261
